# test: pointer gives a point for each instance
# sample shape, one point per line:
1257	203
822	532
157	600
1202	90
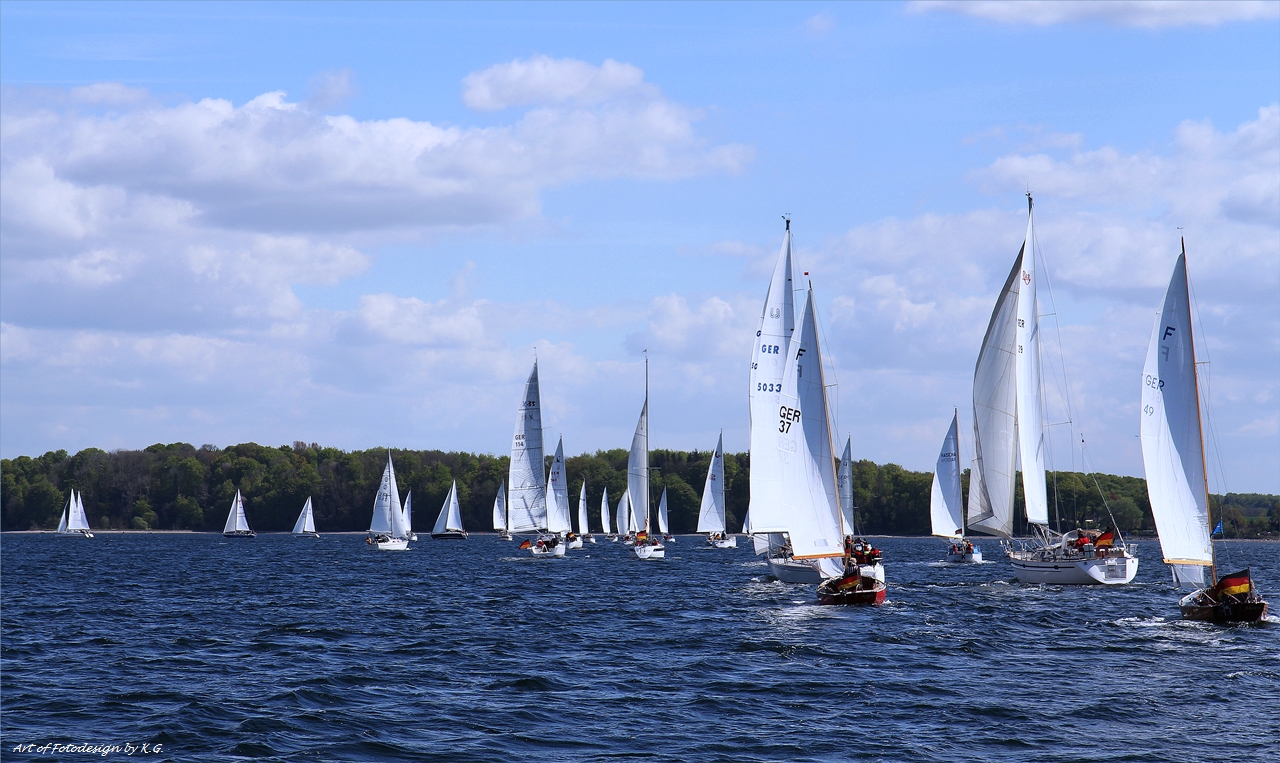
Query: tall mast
1195	380
646	441
964	515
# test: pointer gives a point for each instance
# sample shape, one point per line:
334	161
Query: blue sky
353	223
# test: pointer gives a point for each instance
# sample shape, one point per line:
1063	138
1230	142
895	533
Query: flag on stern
1105	540
526	544
1235	584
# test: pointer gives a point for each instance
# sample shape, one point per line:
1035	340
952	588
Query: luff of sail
809	499
638	470
995	428
500	508
450	518
1172	440
1027	365
945	509
527	494
768	366
711	513
558	494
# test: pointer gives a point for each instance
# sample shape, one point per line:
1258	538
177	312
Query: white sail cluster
388	515
450	518
236	520
306	524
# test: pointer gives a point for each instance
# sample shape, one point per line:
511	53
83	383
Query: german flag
642	535
526	544
1235	584
1105	540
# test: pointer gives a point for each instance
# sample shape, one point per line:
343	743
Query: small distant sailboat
500	513
625	529
638	482
1173	457
306	524
74	521
584	529
237	525
610	536
711	513
662	518
386	529
945	507
552	542
449	523
406	518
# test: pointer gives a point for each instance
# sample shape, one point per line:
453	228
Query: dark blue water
283	648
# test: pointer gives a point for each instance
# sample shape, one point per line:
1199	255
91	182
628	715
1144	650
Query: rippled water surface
284	648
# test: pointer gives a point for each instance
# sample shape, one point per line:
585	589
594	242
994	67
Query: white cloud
820	24
1150	14
545	80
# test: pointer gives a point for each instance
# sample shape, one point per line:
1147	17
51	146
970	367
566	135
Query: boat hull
307	535
589	539
450	535
504	535
1224	612
650	552
1117	570
869	593
556	550
572	544
971	558
395	544
240	534
729	542
76	534
792	571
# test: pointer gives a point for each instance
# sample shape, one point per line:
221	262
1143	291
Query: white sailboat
1173	457
74	521
667	537
645	547
237	525
946	512
1008	428
306	524
406	517
553	541
449	524
609	535
584	528
625	524
711	513
500	513
386	528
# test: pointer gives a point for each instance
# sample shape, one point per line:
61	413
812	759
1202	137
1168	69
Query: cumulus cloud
1150	14
543	80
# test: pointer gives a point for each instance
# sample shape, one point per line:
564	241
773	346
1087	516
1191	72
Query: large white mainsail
306	523
662	512
604	511
813	518
527	499
583	529
768	365
500	508
945	509
1172	441
450	519
558	494
1027	364
844	481
995	417
236	521
387	516
638	467
711	513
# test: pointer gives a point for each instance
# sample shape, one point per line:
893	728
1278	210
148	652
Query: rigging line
1062	355
1084	462
1206	394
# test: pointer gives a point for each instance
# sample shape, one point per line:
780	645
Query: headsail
638	468
306	522
945	508
1027	363
583	528
387	518
500	508
604	511
558	494
406	514
528	495
1172	441
624	515
66	510
844	481
768	365
450	519
711	513
662	512
236	521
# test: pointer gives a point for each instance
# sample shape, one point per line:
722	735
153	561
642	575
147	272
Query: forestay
945	509
768	365
527	502
1172	441
711	513
558	494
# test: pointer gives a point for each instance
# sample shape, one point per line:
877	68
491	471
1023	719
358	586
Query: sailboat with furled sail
1008	428
1173	456
500	512
237	523
74	521
645	547
711	513
449	524
946	512
306	524
386	528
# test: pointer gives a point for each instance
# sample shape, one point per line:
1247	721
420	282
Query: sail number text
768	387
786	417
770	349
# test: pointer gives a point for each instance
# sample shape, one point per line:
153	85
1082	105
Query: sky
357	224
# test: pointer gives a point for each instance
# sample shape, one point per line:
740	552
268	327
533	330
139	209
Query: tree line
179	486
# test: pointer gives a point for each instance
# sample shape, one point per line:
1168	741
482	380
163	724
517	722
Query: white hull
572	544
307	535
730	542
972	557
792	571
650	552
1117	570
76	533
395	544
557	550
505	536
589	538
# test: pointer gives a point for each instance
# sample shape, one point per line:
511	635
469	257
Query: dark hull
829	594
449	536
1233	612
240	534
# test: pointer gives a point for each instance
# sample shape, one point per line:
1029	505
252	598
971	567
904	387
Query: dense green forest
179	486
